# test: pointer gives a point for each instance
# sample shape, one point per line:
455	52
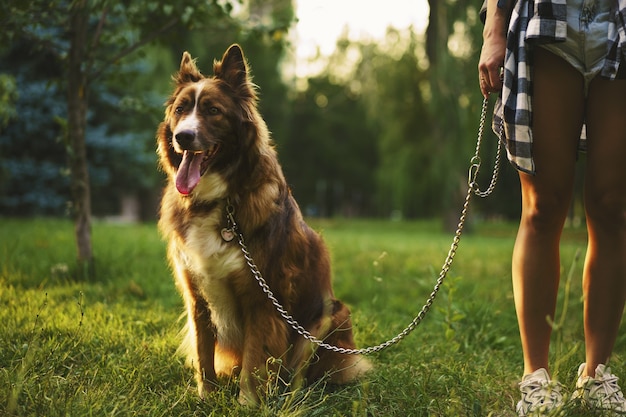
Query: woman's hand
492	54
490	65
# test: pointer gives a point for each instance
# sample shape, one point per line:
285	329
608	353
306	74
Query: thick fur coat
216	151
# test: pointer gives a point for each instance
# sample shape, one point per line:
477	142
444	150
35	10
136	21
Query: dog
222	170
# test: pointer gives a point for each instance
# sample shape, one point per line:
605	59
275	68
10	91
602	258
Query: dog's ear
188	71
233	69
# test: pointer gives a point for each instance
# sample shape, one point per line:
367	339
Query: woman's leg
558	107
604	277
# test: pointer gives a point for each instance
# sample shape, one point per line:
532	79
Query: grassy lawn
108	347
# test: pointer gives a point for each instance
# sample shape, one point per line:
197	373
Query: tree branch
96	36
151	36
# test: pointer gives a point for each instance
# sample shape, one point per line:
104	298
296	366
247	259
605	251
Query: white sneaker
602	391
540	395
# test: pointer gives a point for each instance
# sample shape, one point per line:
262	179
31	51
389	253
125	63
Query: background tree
31	152
453	42
330	156
394	88
34	176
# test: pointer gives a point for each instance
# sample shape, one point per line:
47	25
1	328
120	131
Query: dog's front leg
266	344
200	337
204	348
199	344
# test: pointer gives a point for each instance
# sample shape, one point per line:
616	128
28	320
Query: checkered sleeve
513	107
616	49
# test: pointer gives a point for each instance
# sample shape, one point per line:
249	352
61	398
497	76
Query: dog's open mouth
192	167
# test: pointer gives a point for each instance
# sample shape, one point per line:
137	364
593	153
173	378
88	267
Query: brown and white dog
216	150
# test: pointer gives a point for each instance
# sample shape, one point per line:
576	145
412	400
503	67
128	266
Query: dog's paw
205	388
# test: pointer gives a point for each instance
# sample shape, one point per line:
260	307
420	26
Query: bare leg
605	204
558	106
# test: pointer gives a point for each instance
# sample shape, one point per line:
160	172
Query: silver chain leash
476	160
472	189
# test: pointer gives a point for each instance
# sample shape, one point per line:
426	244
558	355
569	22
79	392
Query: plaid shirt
541	21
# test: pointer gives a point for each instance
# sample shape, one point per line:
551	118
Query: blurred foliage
33	150
8	97
330	157
386	129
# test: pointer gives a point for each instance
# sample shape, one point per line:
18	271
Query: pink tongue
188	174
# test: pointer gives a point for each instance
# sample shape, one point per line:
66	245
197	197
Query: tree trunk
77	121
437	34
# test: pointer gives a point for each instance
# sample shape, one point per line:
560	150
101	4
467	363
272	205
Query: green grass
107	347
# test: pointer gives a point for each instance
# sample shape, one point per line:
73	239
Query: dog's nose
185	138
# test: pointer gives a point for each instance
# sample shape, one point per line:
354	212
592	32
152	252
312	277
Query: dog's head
208	120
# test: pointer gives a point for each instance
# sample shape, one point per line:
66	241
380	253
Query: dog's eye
214	110
178	110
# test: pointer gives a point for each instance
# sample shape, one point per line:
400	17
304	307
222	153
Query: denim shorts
587	36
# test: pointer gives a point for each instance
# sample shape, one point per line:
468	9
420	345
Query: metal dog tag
227	234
